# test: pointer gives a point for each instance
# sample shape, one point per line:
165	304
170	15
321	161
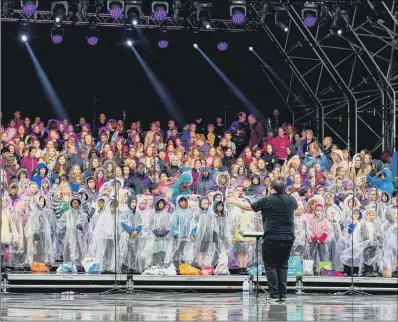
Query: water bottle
246	291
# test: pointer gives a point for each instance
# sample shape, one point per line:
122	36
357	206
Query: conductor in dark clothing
277	211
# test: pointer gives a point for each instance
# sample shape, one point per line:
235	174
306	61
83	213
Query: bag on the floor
308	267
324	265
154	271
207	270
67	268
222	266
38	268
253	270
171	271
90	266
186	269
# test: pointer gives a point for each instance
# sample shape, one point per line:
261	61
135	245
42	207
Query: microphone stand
94	114
116	288
352	290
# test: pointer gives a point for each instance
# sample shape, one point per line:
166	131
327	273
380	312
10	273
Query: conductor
277	211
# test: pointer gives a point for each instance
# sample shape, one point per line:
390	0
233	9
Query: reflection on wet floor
195	307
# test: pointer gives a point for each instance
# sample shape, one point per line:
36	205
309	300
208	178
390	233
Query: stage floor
145	306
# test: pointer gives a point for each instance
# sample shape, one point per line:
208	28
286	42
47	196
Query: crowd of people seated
132	200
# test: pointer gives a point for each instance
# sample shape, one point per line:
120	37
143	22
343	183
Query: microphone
124	115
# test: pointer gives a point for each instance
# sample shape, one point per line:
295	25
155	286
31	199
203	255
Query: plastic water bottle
246	291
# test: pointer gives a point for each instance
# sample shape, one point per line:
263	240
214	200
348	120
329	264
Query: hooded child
38	234
160	242
184	231
242	245
131	222
318	234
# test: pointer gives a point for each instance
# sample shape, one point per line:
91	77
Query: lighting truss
341	81
104	20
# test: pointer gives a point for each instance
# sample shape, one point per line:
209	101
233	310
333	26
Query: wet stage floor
195	307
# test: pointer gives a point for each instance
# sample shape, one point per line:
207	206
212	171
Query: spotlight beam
235	90
160	89
47	86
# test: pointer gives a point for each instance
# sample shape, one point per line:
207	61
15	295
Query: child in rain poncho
104	243
160	225
318	234
300	232
333	243
71	229
206	234
183	231
370	233
243	223
38	233
390	238
6	234
131	222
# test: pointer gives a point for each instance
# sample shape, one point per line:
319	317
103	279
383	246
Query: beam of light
274	74
47	86
160	89
237	92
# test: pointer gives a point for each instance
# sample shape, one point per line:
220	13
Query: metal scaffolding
347	78
147	22
336	81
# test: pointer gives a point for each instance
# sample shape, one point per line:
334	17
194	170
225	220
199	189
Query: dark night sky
111	72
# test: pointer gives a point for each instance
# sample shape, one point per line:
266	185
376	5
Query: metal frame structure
342	79
147	22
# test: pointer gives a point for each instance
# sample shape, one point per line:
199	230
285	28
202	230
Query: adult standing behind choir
240	129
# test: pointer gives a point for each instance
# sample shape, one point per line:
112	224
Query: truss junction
342	71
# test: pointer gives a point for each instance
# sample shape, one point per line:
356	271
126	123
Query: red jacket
30	164
280	145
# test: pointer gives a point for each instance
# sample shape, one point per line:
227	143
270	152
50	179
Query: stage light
160	10
8	6
222	46
340	20
92	35
195	46
24	31
281	18
83	7
238	11
115	8
130	36
176	9
29	7
163	39
251	48
133	12
309	14
203	14
60	10
57	35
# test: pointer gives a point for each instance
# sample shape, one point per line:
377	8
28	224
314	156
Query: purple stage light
310	21
222	46
238	18
163	44
57	39
116	13
29	9
92	41
160	14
